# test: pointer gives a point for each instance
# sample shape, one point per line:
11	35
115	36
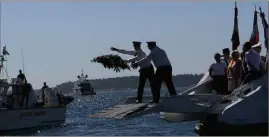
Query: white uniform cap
257	45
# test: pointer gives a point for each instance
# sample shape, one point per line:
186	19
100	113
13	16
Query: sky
59	39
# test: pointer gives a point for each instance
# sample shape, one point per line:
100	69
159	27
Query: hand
114	49
134	65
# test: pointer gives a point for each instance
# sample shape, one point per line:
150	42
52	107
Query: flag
254	38
265	28
5	52
235	36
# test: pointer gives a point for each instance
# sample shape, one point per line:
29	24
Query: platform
122	111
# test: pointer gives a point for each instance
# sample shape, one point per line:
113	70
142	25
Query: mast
1	56
3	52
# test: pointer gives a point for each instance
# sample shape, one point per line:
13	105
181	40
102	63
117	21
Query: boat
15	115
245	112
83	85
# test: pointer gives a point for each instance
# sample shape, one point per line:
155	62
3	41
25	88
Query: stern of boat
14	119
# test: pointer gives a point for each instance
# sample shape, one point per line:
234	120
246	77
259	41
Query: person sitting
234	71
218	71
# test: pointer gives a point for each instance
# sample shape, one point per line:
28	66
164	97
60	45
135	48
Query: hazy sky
60	38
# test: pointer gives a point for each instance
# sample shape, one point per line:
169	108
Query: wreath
112	62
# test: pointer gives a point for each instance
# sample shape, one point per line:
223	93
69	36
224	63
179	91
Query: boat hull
88	93
15	119
223	129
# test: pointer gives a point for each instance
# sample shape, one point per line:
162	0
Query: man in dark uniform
146	68
43	91
21	76
163	72
25	94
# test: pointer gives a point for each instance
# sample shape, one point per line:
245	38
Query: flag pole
235	4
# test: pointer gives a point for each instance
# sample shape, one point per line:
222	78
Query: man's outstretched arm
124	51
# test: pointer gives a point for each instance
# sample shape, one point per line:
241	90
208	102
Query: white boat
83	85
14	115
246	112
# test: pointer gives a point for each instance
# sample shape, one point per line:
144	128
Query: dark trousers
43	96
220	84
144	74
251	75
26	97
163	74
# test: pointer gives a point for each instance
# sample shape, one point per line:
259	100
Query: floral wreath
112	62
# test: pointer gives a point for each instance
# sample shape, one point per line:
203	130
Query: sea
78	122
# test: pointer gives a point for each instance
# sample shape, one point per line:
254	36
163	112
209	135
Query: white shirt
218	69
225	60
254	58
139	54
158	56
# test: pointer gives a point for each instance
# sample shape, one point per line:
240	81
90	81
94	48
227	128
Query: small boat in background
83	85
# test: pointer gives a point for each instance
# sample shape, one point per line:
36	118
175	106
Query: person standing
25	94
163	72
21	76
43	91
245	47
218	71
226	58
235	71
146	68
254	65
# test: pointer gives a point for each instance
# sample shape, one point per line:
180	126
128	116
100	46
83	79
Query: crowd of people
231	71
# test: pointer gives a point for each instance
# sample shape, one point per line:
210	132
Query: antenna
22	60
